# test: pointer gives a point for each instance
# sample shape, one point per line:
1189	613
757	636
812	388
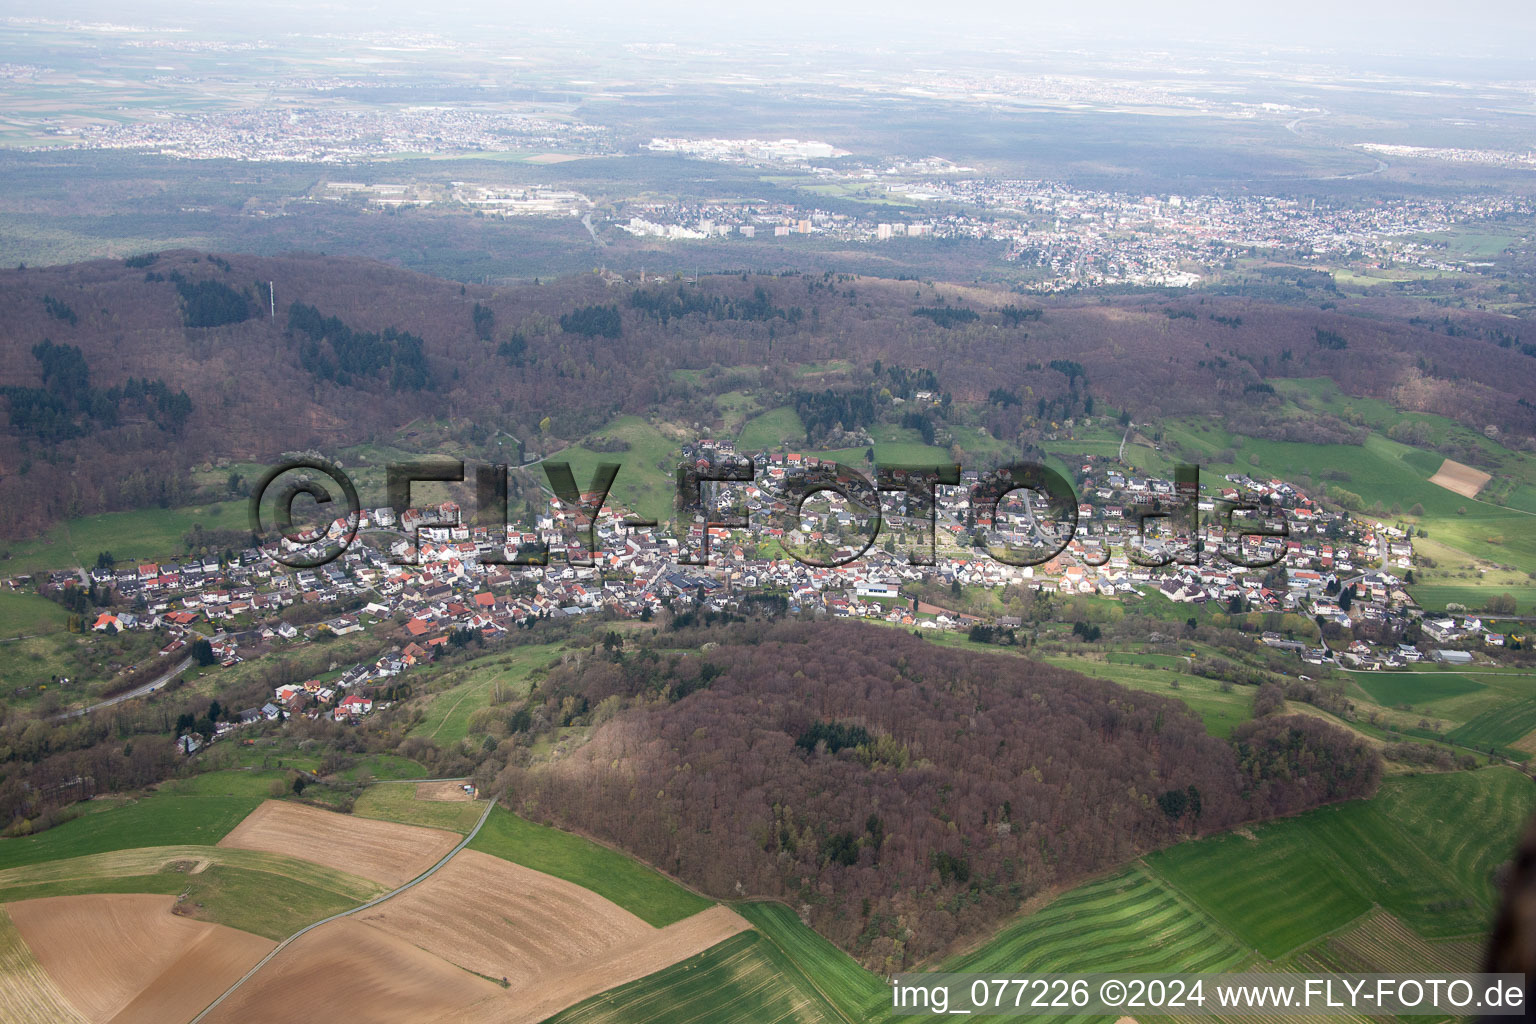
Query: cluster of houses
427	576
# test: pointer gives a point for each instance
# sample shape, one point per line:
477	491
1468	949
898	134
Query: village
426	581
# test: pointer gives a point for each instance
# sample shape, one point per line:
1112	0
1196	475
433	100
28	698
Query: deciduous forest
902	795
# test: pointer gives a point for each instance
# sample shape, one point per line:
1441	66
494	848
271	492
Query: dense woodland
902	795
549	362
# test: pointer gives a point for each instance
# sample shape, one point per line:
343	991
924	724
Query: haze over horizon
1503	29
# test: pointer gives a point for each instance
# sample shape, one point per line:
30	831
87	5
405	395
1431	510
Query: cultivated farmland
349	971
644	892
384	852
129	959
501	920
158	819
255	891
1463	480
546	943
27	994
744	980
1498	727
1424	849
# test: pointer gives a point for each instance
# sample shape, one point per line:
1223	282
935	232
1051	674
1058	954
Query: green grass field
141	535
1498	727
1435	596
858	993
396	801
23	614
647	894
744	980
645	483
448	712
734	408
1468	822
1221	712
1394	474
266	893
197	811
266	904
1241	881
1130	921
770	429
384	767
1424	848
1393	689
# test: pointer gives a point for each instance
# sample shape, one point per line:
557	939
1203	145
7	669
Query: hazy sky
1503	27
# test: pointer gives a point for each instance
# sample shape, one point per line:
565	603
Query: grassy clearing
648	466
1221	712
1435	596
1500	535
385	767
734	408
84	872
1394	474
1474	596
253	901
646	893
148	821
34	661
743	980
448	712
1494	691
770	429
396	801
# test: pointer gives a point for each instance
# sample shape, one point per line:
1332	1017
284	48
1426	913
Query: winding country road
490	806
137	691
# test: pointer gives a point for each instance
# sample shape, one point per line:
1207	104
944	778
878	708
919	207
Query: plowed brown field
381	851
506	921
347	971
553	941
125	958
414	958
1462	479
449	791
662	948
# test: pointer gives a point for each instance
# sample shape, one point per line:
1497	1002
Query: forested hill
902	795
118	375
